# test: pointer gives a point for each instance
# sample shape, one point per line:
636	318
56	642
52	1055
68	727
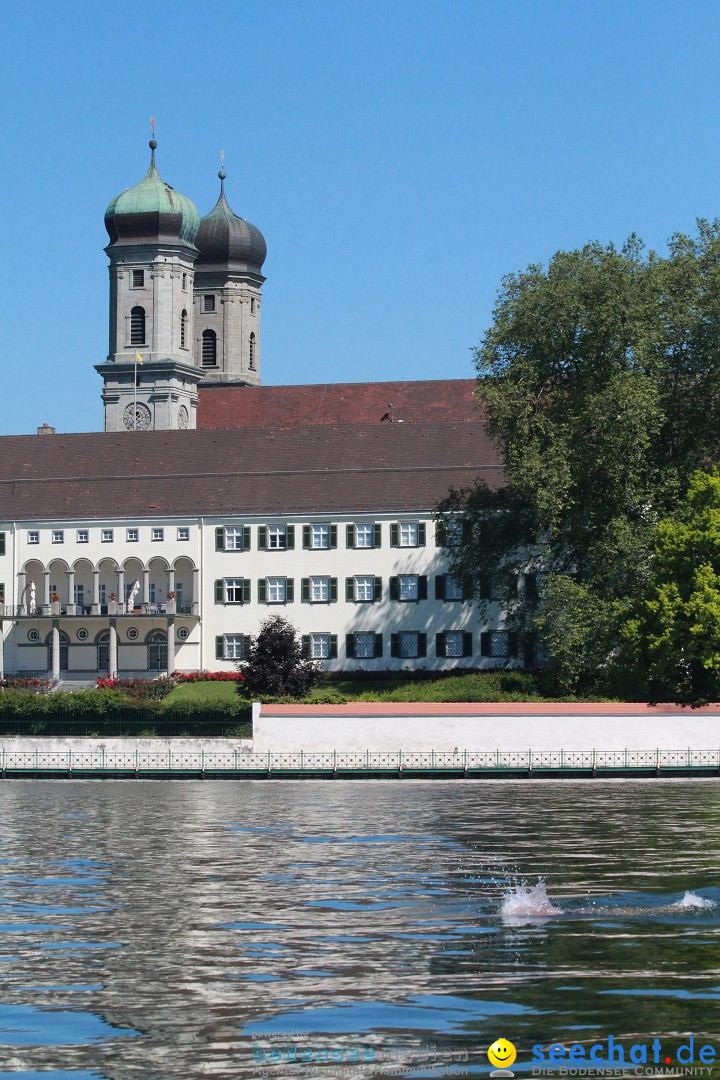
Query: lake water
163	929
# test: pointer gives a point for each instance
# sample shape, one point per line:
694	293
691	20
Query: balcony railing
38	611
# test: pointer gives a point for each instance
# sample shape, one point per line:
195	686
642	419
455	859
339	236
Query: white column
170	645
121	590
146	587
171	579
96	592
71	592
46	588
55	638
112	650
23	601
2	648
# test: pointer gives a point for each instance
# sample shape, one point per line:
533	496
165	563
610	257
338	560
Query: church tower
228	280
150	374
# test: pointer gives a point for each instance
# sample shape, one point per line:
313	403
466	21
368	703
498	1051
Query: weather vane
152	125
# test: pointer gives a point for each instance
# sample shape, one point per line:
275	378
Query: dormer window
208	303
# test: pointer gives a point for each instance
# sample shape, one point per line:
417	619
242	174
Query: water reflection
163	929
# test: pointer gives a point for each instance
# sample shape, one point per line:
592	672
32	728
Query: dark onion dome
152	210
227	241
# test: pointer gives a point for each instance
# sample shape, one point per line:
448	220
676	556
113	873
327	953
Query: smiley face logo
502	1053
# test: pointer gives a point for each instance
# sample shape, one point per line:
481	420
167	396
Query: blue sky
399	158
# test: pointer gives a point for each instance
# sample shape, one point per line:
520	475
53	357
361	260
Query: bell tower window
209	348
138	279
251	361
183	329
137	326
208	303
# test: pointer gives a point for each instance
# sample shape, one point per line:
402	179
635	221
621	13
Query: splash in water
526	901
692	900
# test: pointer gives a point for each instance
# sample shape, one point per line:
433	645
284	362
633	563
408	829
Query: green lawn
204	693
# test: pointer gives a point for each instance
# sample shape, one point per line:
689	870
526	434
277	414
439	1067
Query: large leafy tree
673	636
275	665
600	378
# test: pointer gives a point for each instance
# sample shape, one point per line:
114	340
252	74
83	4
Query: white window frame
183	532
458	637
157	533
320	532
106	536
132	536
233	537
320	646
58	536
278	534
453	589
233	646
319	590
83	536
369	636
275	590
364	583
367	532
408	587
33	536
407	534
233	590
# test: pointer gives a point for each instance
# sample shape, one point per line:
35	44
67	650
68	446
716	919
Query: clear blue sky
399	157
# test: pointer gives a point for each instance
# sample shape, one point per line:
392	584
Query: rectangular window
106	536
364	536
157	534
275	590
132	536
58	536
364	646
234	590
79	595
208	303
152	593
319	590
184	282
453	590
319	536
138	279
408	534
408	640
183	533
276	537
82	536
33	537
234	647
364	588
319	646
234	538
408	587
454	643
453	533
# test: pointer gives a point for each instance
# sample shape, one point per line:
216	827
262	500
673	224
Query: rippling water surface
164	929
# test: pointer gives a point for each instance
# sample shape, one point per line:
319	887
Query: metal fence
210	723
336	763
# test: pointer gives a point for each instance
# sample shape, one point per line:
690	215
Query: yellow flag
138	357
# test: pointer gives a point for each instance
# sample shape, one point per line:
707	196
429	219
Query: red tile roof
322	470
335	403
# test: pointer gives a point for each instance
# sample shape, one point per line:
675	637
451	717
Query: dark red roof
335	403
320	469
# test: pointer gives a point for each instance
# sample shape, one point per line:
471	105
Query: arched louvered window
251	362
137	326
209	348
183	329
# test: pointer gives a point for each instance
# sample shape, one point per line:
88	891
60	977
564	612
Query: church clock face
137	417
183	417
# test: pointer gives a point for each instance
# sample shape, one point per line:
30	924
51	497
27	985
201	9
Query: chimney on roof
46	430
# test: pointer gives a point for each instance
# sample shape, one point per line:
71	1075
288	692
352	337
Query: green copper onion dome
152	211
228	242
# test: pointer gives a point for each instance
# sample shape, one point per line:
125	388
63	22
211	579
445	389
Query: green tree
673	633
275	666
600	379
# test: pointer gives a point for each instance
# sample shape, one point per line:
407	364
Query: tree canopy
275	665
600	376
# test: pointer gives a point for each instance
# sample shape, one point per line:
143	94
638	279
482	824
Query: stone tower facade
150	374
228	283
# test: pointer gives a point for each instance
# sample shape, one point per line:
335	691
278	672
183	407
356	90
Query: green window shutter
289	537
220	539
377	589
378	646
531	588
262	590
289	590
333	590
439	586
512	645
485	590
467	587
219	591
422	644
440	534
262	537
422	587
219	647
305	590
350	646
395	535
350	536
246	590
440	645
422	531
333	536
394	588
306	536
305	644
467	643
377	534
486	644
349	588
246	538
394	644
333	646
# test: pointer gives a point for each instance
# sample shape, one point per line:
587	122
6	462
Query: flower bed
207	676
